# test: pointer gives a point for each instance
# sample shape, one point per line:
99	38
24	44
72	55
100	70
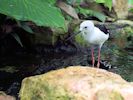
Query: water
122	61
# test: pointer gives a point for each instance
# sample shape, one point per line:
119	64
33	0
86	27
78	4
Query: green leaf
89	12
16	37
41	12
25	27
130	2
131	10
107	3
100	1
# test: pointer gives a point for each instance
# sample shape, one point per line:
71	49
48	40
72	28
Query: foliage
16	37
68	9
131	10
130	2
9	26
128	30
96	14
25	26
107	3
88	12
43	13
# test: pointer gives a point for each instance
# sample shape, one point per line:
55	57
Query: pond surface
117	53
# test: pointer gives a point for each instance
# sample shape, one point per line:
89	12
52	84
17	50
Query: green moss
42	91
109	95
80	40
116	96
128	30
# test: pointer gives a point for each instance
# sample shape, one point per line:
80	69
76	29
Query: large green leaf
42	12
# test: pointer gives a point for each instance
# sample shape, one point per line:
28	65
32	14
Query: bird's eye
85	27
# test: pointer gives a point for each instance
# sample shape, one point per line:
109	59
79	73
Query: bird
93	35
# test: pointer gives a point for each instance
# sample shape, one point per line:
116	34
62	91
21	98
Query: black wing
103	28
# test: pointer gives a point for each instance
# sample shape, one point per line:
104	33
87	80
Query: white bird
93	35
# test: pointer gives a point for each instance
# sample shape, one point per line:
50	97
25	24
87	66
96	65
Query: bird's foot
93	62
105	65
98	65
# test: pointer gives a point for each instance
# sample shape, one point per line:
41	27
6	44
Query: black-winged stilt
93	35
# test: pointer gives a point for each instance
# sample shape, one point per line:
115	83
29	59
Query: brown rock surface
76	83
3	96
121	8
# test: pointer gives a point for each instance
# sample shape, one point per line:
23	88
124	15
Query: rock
76	83
3	96
46	35
124	22
121	8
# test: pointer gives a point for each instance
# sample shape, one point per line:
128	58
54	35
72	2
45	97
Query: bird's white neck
88	32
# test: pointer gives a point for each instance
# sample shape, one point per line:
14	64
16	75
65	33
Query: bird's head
86	26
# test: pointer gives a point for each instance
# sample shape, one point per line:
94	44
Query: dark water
122	61
117	53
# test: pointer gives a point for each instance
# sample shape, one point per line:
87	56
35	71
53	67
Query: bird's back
96	37
103	28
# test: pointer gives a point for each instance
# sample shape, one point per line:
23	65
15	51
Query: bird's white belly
96	39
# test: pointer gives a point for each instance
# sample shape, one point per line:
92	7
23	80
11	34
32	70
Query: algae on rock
76	83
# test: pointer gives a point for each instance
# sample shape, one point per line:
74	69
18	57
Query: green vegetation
43	13
87	12
130	1
42	91
107	3
48	13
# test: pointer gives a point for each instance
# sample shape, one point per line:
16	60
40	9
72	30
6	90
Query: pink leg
92	57
98	63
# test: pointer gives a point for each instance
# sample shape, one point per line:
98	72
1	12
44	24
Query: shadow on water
13	69
116	53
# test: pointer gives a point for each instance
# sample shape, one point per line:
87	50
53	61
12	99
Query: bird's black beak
73	35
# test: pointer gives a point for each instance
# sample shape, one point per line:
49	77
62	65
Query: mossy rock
76	83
